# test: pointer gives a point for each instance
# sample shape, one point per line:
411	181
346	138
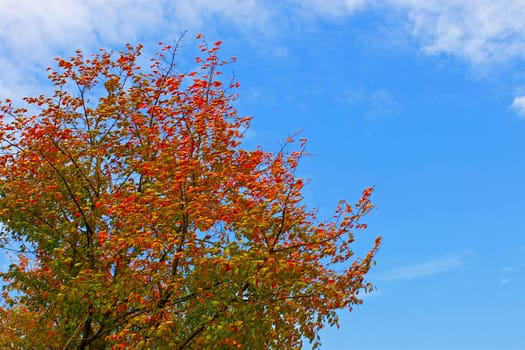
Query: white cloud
424	269
479	31
31	29
32	32
519	105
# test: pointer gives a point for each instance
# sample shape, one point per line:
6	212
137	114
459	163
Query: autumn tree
134	217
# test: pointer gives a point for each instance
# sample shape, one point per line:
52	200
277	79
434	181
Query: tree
139	221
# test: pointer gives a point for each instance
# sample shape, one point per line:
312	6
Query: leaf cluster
141	221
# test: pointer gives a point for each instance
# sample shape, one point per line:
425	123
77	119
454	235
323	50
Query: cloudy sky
423	99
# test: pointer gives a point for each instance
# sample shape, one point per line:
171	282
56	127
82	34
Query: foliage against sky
423	99
141	222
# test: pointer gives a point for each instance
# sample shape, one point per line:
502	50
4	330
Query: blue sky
423	99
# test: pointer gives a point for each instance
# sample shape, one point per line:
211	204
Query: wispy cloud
33	25
507	273
425	269
519	105
376	104
32	32
480	31
334	8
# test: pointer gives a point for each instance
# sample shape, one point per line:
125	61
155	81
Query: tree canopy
135	218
